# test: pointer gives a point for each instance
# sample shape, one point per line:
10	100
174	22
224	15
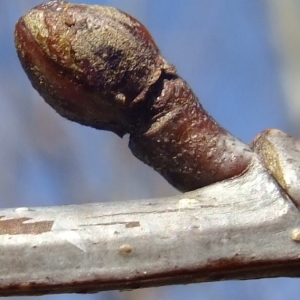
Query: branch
237	229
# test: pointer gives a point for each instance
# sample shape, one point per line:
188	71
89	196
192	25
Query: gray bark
242	228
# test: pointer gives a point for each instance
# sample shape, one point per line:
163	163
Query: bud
100	67
90	63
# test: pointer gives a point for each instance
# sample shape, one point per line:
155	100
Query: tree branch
236	229
241	228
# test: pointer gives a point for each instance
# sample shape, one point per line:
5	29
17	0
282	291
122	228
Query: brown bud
90	63
100	67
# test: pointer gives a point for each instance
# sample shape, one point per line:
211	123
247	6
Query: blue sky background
224	49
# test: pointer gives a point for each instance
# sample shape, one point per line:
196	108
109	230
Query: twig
241	228
237	229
